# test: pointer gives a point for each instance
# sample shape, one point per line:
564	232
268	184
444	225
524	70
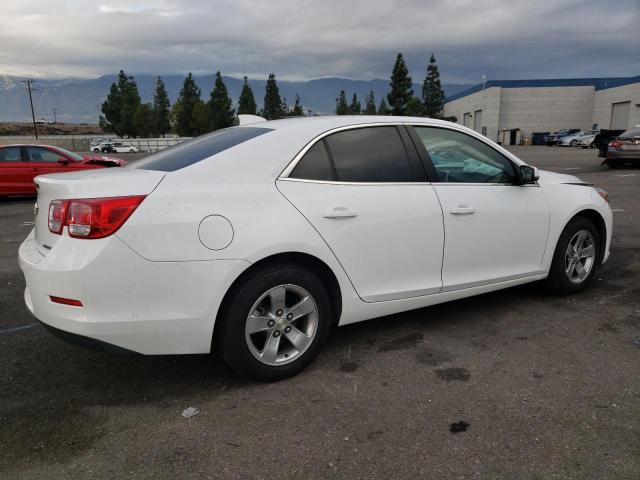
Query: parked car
602	140
96	144
552	139
588	141
257	239
123	148
574	139
19	164
103	147
624	149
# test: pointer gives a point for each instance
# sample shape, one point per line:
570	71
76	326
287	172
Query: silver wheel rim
281	324
580	256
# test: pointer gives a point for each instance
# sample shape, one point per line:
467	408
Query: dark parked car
20	164
602	140
552	139
624	149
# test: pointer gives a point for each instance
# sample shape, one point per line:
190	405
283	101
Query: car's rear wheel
575	259
274	324
613	163
132	151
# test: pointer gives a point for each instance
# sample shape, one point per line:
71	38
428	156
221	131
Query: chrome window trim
284	175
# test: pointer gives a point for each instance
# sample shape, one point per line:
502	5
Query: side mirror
63	160
528	174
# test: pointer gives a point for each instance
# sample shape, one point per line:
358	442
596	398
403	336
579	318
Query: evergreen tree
201	118
272	107
414	108
298	110
143	120
184	109
355	108
342	107
432	93
161	110
400	85
222	115
370	104
120	106
383	109
246	102
285	107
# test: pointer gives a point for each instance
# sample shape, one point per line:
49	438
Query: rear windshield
199	148
633	133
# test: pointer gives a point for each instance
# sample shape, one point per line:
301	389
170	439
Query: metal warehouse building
510	111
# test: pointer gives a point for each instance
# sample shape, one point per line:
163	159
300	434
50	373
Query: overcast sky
304	39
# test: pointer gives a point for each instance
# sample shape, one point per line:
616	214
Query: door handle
462	210
339	212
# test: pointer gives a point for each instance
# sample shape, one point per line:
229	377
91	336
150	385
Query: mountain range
80	100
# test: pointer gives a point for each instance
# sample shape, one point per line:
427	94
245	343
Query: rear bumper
128	302
623	155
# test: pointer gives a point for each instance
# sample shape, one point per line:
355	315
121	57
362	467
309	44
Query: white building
510	111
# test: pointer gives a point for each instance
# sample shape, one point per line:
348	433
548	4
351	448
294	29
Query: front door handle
339	212
462	210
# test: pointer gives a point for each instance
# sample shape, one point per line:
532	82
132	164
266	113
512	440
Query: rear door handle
339	212
462	210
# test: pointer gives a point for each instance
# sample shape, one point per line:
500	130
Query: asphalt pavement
516	384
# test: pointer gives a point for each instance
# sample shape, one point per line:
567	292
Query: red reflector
65	301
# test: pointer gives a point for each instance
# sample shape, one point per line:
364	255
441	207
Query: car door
44	160
15	172
495	229
366	193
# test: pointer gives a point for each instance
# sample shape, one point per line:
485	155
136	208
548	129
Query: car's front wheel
274	324
575	259
573	143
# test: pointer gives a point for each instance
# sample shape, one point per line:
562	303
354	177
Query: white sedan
576	139
256	239
123	148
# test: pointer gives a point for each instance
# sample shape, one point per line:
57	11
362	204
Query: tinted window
315	165
374	154
458	157
36	154
11	154
199	148
633	133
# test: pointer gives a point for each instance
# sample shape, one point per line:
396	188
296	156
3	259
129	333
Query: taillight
615	144
57	215
95	217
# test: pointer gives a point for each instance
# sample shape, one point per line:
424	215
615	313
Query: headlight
603	193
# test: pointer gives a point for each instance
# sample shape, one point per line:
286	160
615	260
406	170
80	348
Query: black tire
613	163
558	281
229	337
573	143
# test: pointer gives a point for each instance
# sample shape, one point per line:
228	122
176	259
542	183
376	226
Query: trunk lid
112	182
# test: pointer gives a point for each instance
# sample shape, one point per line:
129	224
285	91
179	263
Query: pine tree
298	110
130	103
201	118
272	107
370	104
220	105
184	109
355	108
432	93
161	110
120	106
414	108
383	109
400	85
246	102
143	120
342	107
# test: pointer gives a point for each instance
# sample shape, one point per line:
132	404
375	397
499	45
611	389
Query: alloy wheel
580	256
281	324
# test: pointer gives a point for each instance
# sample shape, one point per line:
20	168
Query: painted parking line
17	329
626	175
570	168
617	210
27	224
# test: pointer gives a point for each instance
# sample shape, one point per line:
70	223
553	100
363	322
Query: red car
19	164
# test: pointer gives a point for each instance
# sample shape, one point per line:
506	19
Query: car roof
27	145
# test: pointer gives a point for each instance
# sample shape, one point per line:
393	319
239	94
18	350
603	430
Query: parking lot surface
512	384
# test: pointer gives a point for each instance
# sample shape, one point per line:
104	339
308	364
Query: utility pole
55	119
33	115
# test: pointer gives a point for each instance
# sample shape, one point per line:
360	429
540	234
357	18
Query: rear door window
315	165
37	154
10	154
373	154
195	150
